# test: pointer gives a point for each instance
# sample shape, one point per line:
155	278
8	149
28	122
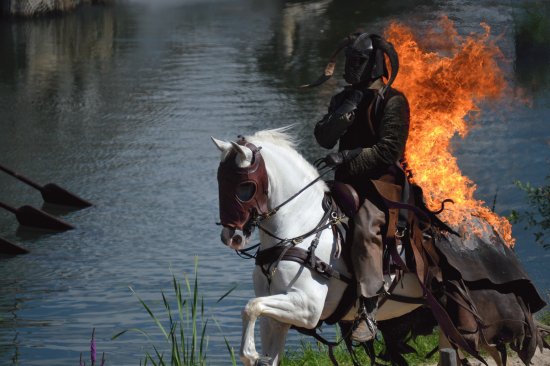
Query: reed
183	326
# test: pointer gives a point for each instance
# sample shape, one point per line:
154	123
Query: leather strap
443	319
302	256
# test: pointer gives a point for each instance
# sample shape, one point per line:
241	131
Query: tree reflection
49	51
532	42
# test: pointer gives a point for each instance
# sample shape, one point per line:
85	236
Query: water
118	105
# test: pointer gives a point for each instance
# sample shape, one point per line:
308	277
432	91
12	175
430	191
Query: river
118	103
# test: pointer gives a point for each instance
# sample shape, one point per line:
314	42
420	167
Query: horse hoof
263	361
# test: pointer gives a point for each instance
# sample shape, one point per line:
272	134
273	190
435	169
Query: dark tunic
382	136
381	133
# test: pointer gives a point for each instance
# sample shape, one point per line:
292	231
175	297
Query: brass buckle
400	232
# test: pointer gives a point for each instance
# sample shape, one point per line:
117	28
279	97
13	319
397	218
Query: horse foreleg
283	310
273	336
248	353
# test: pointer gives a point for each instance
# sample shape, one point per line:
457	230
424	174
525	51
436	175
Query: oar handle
8	207
21	178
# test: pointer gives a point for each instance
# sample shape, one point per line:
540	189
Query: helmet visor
357	59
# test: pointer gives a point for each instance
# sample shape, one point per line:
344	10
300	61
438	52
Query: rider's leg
367	251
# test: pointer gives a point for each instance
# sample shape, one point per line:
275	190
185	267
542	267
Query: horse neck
302	213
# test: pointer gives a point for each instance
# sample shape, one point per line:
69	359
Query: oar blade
7	247
52	193
33	217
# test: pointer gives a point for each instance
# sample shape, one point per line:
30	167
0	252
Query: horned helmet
365	62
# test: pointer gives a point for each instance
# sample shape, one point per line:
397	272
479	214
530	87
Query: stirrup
364	329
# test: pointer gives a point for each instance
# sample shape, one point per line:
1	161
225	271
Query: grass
317	354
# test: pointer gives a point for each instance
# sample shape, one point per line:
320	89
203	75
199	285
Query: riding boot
365	328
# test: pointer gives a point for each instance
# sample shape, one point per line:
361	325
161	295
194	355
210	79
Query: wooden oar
33	217
51	192
7	247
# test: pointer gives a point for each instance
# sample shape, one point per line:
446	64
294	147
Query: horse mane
280	138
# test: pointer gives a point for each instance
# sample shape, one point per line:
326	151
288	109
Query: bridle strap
298	239
274	210
244	253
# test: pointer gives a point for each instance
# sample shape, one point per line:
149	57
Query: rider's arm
339	117
393	133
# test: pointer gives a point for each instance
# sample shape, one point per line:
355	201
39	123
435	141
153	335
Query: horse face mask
242	190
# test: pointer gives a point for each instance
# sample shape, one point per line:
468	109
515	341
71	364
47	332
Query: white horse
287	293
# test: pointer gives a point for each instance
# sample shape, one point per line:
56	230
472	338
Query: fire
443	91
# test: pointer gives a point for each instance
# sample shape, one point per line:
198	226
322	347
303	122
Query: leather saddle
345	197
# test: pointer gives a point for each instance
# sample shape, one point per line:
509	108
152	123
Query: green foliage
538	216
545	318
183	327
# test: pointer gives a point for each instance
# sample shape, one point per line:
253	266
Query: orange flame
443	92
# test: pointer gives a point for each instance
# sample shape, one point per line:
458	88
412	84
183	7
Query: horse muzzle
232	240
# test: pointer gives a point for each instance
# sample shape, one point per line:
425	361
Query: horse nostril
226	235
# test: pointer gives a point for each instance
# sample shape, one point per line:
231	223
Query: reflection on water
117	104
532	45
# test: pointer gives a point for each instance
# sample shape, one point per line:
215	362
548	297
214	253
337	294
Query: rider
370	121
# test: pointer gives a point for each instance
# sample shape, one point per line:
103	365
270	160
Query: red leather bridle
242	191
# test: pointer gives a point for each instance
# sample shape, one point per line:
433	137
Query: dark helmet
364	60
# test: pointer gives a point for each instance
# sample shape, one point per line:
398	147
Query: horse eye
245	191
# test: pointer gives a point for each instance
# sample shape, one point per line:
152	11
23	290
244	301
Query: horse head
243	190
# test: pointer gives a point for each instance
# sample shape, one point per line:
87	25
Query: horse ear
221	145
244	157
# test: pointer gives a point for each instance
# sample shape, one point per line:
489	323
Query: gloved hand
337	158
349	102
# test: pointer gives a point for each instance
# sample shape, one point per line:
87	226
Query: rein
274	210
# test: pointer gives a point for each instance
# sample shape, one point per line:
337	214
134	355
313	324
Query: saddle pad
483	257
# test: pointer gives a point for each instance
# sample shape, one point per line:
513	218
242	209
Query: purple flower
92	348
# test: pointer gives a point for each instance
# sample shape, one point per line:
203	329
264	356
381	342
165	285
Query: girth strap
302	256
